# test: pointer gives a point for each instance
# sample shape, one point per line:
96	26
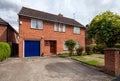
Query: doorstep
49	54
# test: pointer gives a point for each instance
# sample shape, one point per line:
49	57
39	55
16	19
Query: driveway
48	69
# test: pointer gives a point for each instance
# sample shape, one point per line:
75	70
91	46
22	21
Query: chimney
60	15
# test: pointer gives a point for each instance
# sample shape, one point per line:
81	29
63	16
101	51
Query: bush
79	51
117	45
93	48
70	45
100	48
88	50
5	51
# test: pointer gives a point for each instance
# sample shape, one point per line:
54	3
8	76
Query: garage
31	48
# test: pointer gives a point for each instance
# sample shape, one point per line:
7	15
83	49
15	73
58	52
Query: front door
53	47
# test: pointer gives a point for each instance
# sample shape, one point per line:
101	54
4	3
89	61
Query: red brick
112	61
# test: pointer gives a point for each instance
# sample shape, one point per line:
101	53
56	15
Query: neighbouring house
45	33
9	34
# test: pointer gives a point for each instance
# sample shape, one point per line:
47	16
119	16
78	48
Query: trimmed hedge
5	51
117	45
97	48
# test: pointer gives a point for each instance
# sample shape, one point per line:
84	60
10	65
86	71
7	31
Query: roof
3	22
27	12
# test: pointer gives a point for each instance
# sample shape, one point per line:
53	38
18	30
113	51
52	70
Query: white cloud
84	10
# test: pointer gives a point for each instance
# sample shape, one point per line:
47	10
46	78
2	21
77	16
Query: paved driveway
48	69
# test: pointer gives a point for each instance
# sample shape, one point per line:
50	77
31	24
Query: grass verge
93	59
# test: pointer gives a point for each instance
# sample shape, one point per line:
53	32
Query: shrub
79	51
100	48
5	51
70	45
117	45
97	48
88	49
93	48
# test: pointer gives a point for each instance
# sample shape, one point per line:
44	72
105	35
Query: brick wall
27	33
3	33
7	34
112	61
12	36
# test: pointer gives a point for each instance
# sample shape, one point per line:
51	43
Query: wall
112	61
3	33
12	36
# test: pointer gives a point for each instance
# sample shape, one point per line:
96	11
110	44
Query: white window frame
64	46
59	27
36	23
56	27
77	44
78	30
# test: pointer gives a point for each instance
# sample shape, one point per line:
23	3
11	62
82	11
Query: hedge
97	48
117	45
5	51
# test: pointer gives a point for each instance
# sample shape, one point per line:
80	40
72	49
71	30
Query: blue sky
81	10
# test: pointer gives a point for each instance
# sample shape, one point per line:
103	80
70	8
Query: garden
103	32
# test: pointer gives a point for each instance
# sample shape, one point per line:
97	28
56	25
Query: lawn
93	59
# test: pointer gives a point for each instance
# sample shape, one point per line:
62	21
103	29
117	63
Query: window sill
59	31
76	33
36	28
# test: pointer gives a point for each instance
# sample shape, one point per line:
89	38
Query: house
10	35
7	32
41	32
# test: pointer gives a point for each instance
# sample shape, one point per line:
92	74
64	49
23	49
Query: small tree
79	51
70	44
88	49
105	28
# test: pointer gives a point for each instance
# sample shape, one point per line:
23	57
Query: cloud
9	10
84	10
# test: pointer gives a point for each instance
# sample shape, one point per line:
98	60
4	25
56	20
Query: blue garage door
32	48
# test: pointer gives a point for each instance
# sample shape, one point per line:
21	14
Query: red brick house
41	32
7	32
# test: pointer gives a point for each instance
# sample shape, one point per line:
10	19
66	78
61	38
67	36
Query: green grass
93	59
63	55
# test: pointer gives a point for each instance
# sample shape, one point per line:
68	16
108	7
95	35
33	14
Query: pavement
48	69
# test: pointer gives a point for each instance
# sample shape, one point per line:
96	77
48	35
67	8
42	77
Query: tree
70	44
105	28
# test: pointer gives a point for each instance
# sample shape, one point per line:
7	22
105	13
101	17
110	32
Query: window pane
33	23
77	44
39	24
76	30
60	27
56	27
65	47
64	28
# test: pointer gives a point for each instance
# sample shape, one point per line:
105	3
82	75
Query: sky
81	10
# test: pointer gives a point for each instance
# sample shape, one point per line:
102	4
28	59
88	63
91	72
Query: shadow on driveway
76	71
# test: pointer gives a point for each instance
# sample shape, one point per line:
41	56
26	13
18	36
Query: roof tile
48	17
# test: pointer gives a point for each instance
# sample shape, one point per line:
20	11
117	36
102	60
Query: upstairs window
76	30
37	24
59	27
56	27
